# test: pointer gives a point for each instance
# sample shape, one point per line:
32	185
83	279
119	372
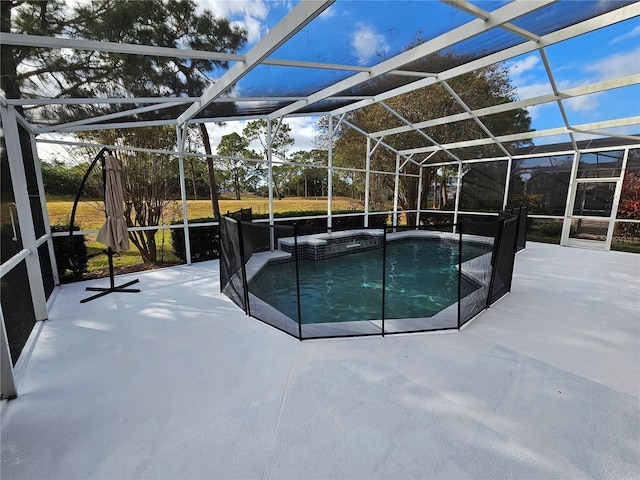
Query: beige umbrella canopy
114	230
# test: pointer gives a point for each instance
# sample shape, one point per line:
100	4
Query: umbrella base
113	289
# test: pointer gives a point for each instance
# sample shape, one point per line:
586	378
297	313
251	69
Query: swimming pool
421	281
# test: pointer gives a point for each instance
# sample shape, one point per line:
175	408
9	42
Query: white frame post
396	191
366	183
507	181
45	211
566	222
8	389
457	202
418	210
330	176
182	138
25	219
270	185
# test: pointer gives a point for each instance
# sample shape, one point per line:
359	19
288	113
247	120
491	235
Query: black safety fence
232	276
366	281
504	257
476	270
522	214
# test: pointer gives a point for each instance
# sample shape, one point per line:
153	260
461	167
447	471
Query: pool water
422	280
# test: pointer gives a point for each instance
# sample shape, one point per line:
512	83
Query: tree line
239	169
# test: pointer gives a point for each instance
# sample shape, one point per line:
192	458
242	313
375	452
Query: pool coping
475	270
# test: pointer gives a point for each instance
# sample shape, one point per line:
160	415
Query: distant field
90	214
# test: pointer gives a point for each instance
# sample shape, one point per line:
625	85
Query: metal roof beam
478	122
301	15
419	132
103	118
39	41
554	87
148	50
610	18
475	27
528	102
36	102
468	8
621	122
108	126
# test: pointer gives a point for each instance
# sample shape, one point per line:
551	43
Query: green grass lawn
90	216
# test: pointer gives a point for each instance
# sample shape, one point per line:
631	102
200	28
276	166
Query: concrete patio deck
177	383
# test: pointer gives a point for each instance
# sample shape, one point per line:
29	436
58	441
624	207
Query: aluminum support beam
396	192
103	118
270	185
618	15
147	50
23	206
456	207
44	210
301	15
330	176
566	223
416	130
621	122
502	15
556	93
181	132
8	389
418	206
478	122
525	103
367	176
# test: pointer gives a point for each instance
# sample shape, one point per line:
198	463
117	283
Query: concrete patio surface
177	383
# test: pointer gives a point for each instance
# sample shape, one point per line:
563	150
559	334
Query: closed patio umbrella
114	230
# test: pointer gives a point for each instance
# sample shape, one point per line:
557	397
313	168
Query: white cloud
518	69
534	90
615	66
583	103
329	12
249	14
304	131
367	43
632	34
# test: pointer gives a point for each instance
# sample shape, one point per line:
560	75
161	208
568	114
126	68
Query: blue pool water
421	280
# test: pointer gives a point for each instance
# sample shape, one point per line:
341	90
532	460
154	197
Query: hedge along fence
71	254
205	241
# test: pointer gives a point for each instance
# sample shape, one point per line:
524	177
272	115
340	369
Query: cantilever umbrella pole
114	231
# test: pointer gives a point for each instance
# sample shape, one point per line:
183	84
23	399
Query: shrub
204	241
310	226
551	229
71	254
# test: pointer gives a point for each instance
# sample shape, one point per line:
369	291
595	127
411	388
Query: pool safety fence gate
362	282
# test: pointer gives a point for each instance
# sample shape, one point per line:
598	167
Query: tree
312	179
162	23
235	148
280	141
481	88
147	180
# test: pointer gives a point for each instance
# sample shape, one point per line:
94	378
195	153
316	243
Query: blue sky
348	33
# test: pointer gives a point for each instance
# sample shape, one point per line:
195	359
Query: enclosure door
593	207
